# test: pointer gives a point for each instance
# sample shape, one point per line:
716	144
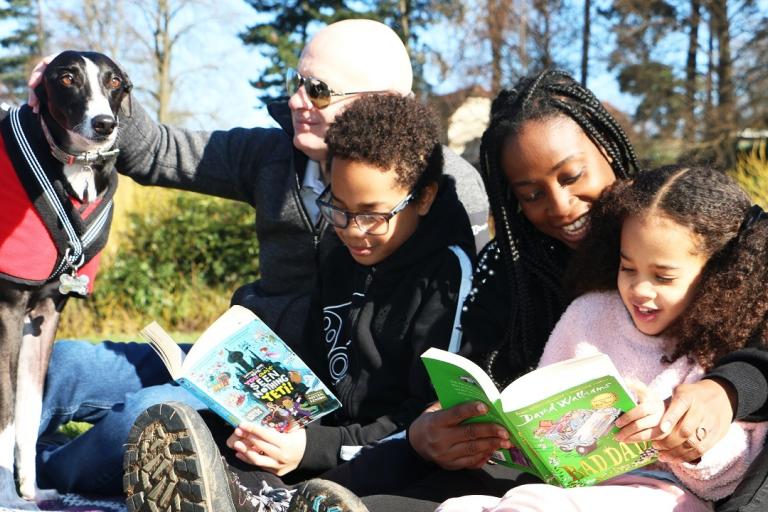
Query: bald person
280	172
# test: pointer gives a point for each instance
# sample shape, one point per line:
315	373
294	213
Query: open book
560	417
244	372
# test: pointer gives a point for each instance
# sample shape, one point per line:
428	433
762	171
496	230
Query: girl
691	257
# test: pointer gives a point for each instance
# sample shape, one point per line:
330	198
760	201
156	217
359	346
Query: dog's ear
42	93
125	104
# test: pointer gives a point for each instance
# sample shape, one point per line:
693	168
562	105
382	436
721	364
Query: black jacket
368	326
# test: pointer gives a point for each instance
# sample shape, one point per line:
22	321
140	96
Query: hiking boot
318	495
172	464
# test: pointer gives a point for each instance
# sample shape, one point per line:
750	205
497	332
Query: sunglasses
318	91
369	223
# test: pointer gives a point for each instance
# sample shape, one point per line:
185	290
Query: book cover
560	417
245	372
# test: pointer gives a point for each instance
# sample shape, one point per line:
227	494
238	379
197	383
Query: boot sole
172	464
318	495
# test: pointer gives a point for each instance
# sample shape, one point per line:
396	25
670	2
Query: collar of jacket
281	114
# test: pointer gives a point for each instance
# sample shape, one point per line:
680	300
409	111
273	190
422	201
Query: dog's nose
103	124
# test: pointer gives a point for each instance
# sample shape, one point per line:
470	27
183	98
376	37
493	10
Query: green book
560	417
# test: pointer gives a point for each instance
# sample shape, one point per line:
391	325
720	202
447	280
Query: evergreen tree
21	48
287	27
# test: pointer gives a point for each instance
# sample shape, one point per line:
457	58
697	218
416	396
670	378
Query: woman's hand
698	416
441	437
276	452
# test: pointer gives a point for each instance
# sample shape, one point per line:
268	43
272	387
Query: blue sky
223	98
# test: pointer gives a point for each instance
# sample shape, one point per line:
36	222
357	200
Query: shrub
751	172
178	258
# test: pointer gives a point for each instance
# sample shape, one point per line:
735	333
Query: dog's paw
42	495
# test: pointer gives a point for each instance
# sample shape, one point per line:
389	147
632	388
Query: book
244	372
560	417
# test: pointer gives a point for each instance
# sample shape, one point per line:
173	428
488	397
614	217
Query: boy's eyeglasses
369	223
318	91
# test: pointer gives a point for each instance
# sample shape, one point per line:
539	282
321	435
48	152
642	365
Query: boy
383	298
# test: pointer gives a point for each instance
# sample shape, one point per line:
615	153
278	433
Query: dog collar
69	159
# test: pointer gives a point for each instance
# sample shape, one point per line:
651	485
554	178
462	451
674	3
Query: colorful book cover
560	417
248	374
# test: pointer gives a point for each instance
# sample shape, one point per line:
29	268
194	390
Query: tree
94	25
689	130
586	33
285	32
639	27
23	47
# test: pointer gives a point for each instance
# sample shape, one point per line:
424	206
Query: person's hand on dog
34	80
276	452
440	436
698	416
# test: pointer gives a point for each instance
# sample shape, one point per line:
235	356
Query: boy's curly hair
534	263
730	304
391	133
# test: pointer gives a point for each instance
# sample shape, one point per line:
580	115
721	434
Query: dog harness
45	232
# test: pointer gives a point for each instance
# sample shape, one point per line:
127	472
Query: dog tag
70	283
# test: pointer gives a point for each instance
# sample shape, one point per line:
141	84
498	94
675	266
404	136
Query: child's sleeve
431	326
722	468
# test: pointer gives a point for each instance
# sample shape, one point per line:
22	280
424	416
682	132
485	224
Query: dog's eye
66	80
114	83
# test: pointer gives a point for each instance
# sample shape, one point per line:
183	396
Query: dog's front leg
37	343
13	302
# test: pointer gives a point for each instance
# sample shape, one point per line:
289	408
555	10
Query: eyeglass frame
321	203
294	80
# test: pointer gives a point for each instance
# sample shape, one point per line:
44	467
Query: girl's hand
439	436
276	452
698	416
642	422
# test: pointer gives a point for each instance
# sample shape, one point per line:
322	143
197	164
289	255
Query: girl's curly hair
534	263
729	308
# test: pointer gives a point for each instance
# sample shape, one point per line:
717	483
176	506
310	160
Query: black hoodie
368	325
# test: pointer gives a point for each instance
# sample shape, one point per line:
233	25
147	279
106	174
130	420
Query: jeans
108	385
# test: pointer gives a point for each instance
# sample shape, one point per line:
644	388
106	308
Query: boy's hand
276	452
642	422
439	436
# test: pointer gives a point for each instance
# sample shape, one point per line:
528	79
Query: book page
552	379
165	346
452	374
225	326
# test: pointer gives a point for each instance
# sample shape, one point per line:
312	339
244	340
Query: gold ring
701	433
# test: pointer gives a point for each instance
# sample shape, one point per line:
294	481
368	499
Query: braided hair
534	263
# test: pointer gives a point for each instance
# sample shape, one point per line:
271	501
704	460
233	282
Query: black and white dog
57	180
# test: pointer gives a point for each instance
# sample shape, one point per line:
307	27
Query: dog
57	180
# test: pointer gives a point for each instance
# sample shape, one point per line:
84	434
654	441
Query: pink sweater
599	322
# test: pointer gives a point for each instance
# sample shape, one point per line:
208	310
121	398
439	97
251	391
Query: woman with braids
673	273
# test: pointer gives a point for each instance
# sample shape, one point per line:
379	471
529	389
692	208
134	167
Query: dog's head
81	95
